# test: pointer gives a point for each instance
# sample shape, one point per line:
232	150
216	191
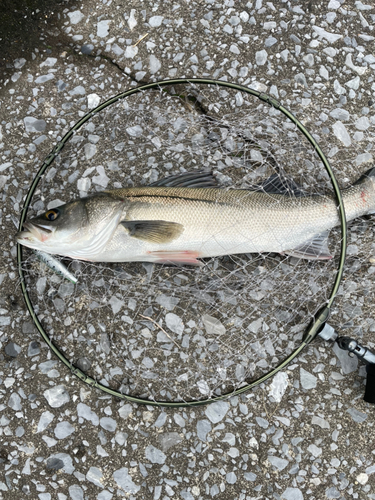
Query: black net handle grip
358	350
370	384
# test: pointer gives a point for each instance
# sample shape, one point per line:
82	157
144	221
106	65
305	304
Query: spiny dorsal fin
198	179
155	231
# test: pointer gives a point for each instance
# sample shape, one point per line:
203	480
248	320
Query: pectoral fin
155	231
315	249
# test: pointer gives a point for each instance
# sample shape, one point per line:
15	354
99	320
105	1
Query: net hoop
312	330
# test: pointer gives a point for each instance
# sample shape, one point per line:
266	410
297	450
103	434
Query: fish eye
52	214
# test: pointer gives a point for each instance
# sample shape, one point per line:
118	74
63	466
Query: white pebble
261	57
124	480
49	62
334	4
360	70
234	49
93	101
135	131
84	184
130	52
213	325
154	64
174	323
102	29
33	125
116	304
323	72
278	386
155	21
117	50
63	430
362	478
154	455
44	421
79	90
363	158
330	37
341	133
90	150
56	396
102	179
215	412
338	88
132	22
362	123
19	63
75	16
308	381
354	83
314	450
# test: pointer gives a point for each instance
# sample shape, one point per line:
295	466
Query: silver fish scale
219	222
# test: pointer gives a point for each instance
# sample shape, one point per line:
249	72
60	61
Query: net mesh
171	333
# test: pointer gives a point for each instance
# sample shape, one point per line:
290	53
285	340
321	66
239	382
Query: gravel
304	433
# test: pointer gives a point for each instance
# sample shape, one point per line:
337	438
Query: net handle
317	322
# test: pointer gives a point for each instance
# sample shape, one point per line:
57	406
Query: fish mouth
34	233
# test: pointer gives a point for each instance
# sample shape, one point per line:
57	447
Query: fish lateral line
169	195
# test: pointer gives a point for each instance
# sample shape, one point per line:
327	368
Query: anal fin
315	249
179	258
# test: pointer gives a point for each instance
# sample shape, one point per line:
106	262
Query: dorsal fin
366	175
277	184
198	179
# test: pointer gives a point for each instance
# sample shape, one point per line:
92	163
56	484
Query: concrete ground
59	439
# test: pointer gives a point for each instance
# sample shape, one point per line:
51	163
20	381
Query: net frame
314	327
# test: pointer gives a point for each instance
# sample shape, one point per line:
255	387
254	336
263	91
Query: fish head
57	226
78	229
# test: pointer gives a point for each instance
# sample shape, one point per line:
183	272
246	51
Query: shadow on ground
24	25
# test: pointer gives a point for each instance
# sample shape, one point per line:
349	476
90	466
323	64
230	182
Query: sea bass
184	218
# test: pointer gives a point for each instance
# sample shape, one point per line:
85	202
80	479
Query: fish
187	217
55	265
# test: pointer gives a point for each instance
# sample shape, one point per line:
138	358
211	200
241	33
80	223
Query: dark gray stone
12	349
87	49
54	464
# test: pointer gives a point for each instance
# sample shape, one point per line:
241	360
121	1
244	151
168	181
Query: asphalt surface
307	435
